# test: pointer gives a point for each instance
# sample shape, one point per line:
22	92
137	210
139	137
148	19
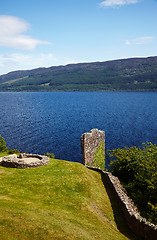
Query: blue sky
43	33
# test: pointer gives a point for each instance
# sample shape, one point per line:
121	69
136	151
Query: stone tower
89	143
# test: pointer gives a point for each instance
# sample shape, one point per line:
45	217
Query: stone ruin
138	225
89	143
24	161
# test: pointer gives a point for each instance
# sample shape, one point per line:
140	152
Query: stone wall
138	225
24	161
135	222
89	143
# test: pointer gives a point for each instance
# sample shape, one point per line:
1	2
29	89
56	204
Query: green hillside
134	74
63	200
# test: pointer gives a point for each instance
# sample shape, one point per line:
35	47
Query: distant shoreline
82	91
133	74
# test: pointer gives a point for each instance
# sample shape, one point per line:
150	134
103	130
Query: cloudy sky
43	33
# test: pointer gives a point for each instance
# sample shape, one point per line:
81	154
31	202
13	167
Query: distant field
63	200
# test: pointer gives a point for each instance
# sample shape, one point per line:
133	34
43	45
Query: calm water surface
40	122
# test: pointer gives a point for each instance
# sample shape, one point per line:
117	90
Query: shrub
3	147
12	151
51	155
137	170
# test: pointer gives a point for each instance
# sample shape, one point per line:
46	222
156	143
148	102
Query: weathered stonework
24	161
138	225
89	143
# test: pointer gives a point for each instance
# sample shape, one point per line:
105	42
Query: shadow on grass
118	215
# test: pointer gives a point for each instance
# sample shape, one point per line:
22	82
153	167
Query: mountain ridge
131	74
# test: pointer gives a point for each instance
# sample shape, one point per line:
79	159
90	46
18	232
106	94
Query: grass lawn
63	200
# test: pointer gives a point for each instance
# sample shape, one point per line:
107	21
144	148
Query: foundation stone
24	161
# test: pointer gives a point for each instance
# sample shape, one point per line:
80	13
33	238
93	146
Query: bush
12	151
51	155
137	170
3	147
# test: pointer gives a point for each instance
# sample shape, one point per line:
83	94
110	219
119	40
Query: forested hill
134	74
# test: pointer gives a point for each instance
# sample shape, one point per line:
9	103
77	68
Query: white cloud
140	40
12	34
18	61
114	3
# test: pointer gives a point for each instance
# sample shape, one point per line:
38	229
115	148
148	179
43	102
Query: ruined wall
90	142
135	222
138	225
24	161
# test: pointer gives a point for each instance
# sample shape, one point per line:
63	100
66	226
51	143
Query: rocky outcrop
89	143
24	161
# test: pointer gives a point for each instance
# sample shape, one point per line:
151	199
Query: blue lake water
40	122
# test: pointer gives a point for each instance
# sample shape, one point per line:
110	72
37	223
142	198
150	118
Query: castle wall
90	142
138	225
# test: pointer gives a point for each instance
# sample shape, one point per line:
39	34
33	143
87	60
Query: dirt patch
5	198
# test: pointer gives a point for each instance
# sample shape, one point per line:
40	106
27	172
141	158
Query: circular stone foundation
24	161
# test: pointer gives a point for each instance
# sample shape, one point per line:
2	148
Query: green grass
63	200
99	157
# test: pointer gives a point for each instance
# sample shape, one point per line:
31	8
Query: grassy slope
62	200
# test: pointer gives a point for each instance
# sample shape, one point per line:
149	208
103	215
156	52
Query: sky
44	33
